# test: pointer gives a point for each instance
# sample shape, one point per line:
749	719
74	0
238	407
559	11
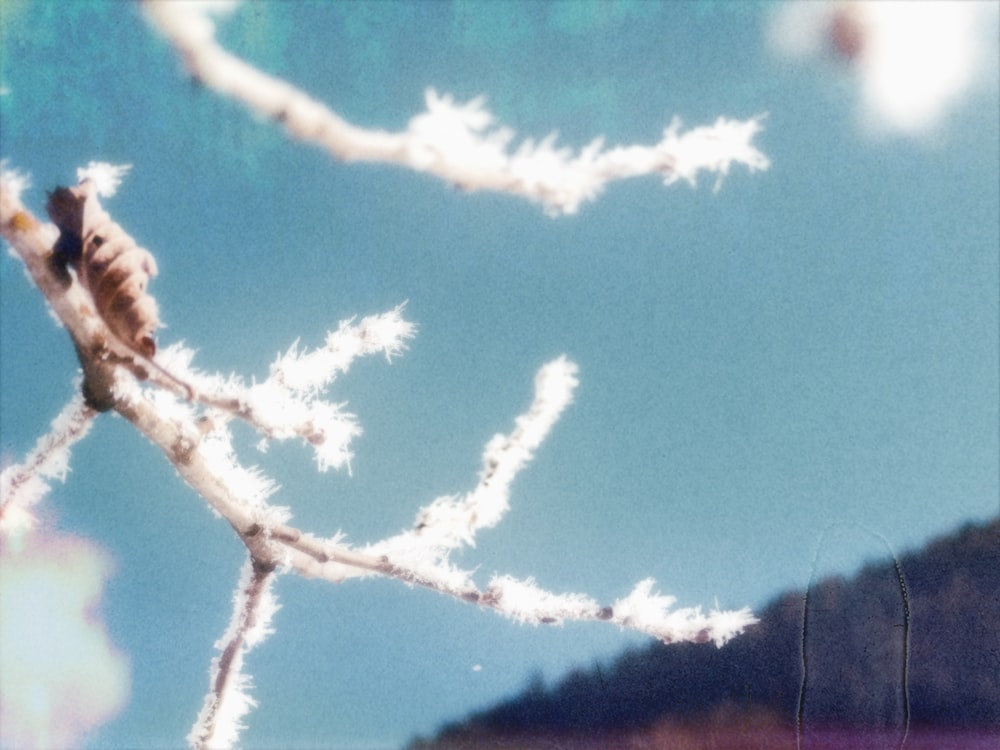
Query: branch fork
110	317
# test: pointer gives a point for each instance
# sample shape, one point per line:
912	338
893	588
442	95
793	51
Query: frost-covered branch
22	485
449	522
289	402
32	241
203	455
642	610
228	701
518	599
191	427
457	142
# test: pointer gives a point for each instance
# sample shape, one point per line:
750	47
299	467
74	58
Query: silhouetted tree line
913	642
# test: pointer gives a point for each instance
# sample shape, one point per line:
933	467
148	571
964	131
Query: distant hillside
867	656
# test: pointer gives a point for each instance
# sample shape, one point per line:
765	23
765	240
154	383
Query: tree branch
194	437
456	142
228	699
23	485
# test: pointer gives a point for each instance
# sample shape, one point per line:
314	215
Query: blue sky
809	354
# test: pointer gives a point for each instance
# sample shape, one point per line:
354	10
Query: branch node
262	566
59	267
183	449
98	380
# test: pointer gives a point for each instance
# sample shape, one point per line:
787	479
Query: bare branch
456	142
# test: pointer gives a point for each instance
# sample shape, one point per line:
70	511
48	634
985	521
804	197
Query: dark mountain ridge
905	645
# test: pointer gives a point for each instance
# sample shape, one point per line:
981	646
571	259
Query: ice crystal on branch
14	182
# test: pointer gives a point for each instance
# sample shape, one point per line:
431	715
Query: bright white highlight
60	676
920	59
914	60
14	181
457	142
106	177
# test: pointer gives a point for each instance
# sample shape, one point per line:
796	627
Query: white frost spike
452	521
290	402
711	148
651	613
726	625
249	487
281	414
106	177
505	456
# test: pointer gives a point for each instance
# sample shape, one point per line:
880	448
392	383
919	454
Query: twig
228	701
22	485
456	142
